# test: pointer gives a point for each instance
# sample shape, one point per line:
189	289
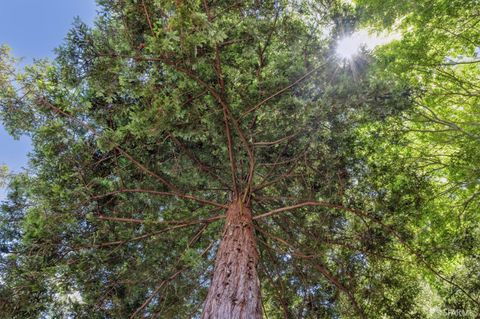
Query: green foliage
147	124
3	175
438	57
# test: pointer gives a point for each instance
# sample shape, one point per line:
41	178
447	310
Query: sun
348	47
351	45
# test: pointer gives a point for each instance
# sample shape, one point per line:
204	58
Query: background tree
439	57
182	146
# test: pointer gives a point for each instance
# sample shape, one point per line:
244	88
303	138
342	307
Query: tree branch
90	128
288	87
204	167
170	278
216	95
388	228
144	236
148	17
321	268
149	191
283	139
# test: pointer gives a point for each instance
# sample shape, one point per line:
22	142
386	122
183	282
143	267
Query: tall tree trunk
235	289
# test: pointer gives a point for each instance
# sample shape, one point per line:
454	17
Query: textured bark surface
235	289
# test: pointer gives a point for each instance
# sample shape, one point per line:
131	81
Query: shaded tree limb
288	87
363	214
322	269
141	190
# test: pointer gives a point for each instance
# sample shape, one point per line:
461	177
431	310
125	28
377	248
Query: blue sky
33	28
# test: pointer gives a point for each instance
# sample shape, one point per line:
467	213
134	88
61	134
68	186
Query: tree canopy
216	159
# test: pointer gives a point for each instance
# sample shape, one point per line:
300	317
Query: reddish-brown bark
235	289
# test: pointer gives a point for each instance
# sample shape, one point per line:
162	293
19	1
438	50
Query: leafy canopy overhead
146	127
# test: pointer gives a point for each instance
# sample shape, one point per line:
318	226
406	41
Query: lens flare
350	46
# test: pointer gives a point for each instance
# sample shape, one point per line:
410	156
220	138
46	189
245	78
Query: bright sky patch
350	46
